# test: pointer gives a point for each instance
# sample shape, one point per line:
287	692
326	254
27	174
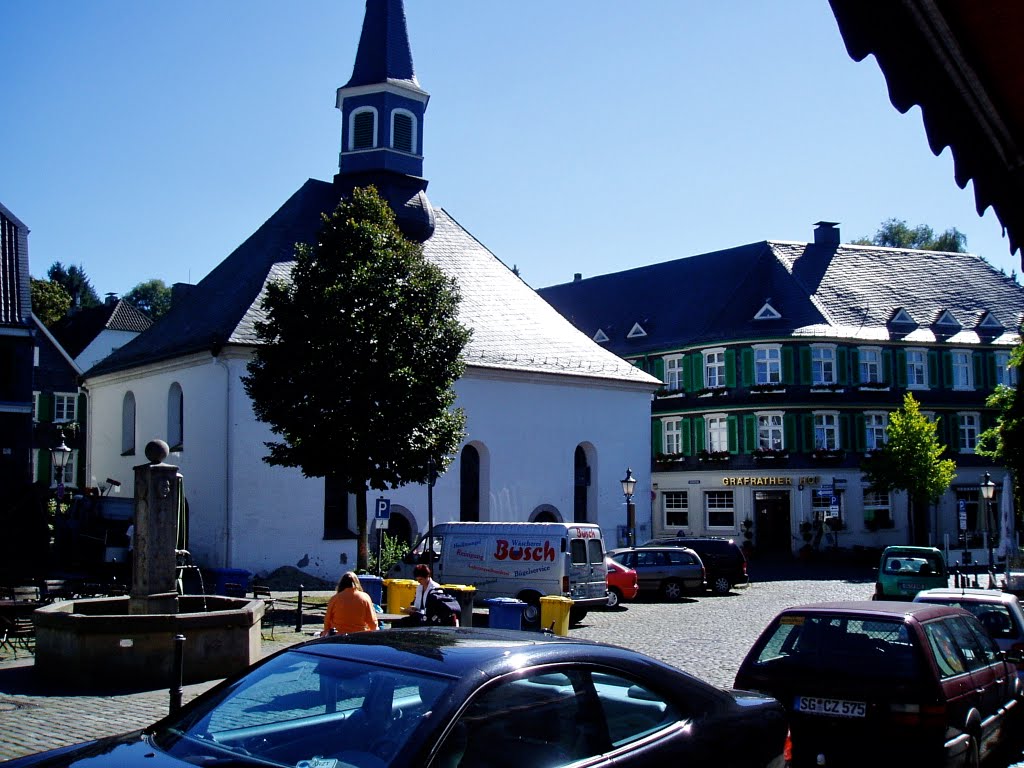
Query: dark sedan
450	697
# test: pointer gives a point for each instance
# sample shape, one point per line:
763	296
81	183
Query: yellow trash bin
464	594
401	593
554	614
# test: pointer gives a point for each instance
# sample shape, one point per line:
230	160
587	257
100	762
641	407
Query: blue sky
148	140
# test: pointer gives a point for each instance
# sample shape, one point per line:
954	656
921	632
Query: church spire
382	108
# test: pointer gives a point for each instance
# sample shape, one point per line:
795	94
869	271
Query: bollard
177	673
298	612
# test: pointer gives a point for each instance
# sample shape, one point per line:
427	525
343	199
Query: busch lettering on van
584	533
516	549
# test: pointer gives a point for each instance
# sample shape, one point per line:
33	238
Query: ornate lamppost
628	486
988	492
59	456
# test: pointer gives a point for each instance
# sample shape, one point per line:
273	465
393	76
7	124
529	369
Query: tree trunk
362	557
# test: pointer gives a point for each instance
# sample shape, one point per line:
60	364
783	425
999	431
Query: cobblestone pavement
706	636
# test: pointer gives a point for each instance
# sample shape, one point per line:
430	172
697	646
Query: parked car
903	683
449	696
622	583
725	565
1000	613
669	571
905	571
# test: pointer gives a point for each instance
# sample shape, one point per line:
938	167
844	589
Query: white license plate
814	705
911	585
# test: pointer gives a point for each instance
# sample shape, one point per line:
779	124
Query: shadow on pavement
791	569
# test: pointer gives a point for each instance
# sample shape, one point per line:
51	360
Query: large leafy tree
50	301
361	350
911	460
153	297
76	283
1004	442
895	233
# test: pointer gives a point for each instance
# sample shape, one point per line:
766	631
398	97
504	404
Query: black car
725	565
446	696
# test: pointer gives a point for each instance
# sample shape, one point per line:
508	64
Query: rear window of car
841	645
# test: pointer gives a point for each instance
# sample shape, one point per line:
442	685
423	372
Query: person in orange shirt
350	609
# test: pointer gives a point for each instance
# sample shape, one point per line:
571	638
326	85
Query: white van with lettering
522	560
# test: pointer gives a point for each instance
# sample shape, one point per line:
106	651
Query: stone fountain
128	642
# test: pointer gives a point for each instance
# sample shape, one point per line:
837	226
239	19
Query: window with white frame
673	373
877	509
770	433
823	364
403	131
676	507
70	470
671	436
875	425
969	429
870	366
716	428
64	406
363	129
768	364
826	431
917	369
714	368
1005	375
963	369
719	509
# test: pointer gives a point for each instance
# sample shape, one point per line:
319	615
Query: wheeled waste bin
401	593
554	614
505	612
464	594
373	586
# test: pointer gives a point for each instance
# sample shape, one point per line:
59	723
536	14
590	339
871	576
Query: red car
622	583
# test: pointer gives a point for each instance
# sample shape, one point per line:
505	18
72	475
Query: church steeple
382	108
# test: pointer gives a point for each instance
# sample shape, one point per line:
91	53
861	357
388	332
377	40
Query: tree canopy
895	233
911	460
360	352
50	301
1004	441
152	296
74	280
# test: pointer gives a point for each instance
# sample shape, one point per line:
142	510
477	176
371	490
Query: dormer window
947	322
636	332
363	129
403	131
902	317
767	312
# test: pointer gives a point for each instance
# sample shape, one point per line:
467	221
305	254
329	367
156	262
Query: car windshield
840	645
299	707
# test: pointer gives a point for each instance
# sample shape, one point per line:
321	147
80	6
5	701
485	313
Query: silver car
669	571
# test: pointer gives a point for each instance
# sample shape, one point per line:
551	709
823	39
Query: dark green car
905	571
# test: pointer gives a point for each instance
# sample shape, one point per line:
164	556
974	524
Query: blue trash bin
505	612
373	586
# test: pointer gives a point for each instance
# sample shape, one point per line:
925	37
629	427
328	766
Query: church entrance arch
545	513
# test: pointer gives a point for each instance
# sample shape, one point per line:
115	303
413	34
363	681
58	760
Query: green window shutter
978	359
747	367
805	365
887	366
685	375
808	424
45	407
684	436
696	369
699	438
855	366
789	431
845	437
990	357
656	445
658	368
901	368
638	363
733	425
933	369
859	436
730	368
787	366
749	432
842	363
45	467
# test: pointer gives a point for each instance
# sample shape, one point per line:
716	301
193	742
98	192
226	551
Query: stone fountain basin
98	643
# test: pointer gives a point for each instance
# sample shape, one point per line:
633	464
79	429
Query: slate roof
15	304
842	291
77	331
384	54
513	328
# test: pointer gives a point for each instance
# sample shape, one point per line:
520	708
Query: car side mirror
1014	656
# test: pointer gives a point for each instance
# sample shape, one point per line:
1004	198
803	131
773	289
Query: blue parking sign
383	509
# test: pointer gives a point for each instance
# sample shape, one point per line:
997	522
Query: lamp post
628	486
431	481
988	492
59	456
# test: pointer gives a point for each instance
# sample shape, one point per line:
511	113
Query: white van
522	560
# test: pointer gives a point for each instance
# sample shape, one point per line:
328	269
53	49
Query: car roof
970	593
667	548
909	550
878	609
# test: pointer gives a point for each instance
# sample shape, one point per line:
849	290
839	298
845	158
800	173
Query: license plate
814	705
911	585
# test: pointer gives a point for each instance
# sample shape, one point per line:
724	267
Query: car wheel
721	585
614	598
672	590
972	756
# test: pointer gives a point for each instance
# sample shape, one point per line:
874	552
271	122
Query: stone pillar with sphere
154	572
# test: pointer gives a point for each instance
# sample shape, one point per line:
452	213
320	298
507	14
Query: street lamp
628	486
988	492
59	456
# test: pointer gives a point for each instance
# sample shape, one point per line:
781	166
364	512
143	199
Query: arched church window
128	425
364	129
403	131
175	417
